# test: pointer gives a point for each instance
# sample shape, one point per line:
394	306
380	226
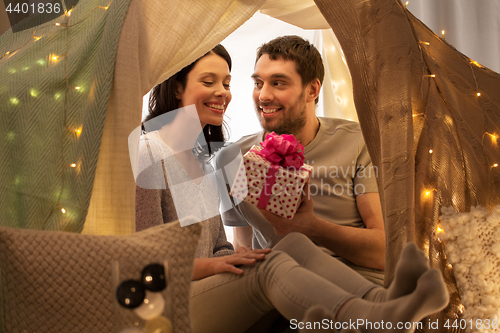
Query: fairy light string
489	143
62	24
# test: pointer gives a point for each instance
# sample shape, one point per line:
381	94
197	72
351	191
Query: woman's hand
204	267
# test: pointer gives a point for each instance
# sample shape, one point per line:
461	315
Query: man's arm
242	237
363	247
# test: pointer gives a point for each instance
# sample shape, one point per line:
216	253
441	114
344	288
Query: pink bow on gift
283	150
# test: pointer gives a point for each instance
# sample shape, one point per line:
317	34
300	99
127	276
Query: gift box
272	176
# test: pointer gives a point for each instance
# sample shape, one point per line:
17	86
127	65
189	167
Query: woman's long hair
163	100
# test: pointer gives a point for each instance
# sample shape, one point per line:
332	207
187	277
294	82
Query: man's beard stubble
292	121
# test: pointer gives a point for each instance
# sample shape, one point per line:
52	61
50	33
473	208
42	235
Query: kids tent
429	114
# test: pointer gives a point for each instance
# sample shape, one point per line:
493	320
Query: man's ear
178	91
313	90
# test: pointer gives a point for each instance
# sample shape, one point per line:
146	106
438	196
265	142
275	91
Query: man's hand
204	267
302	220
362	246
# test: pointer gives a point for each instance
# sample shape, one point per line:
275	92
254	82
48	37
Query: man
345	216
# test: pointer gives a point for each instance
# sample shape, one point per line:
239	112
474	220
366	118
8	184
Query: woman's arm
222	246
147	208
204	267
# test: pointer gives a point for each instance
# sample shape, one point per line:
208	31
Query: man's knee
292	241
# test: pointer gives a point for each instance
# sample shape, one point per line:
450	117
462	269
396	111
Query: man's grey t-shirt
342	169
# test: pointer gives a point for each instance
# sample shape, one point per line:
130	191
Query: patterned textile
473	248
434	139
54	281
55	81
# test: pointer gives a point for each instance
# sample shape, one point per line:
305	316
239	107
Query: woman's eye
227	86
208	82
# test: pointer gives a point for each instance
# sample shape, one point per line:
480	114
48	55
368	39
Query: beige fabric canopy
430	117
158	38
413	93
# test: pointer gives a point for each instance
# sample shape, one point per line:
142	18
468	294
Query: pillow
54	281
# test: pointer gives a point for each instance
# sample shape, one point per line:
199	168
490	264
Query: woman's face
207	87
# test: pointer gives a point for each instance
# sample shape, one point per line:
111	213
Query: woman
233	290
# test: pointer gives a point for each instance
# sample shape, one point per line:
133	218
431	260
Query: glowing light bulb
6	53
73	165
103	7
63	210
425	43
55	58
37	38
430	75
442	33
14	101
11	54
58	24
77	88
33	93
495	165
407	3
478	94
439	229
475	63
427	193
77	131
430	151
68	13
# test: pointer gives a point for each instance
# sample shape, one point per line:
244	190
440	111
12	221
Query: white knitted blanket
473	248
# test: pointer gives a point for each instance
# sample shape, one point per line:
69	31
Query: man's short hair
307	58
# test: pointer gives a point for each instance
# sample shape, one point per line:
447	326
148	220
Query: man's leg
411	266
232	303
235	302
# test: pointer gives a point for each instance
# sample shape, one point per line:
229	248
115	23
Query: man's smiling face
279	96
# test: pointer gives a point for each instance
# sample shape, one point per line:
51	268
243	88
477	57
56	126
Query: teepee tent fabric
55	80
473	27
410	96
64	155
432	136
158	38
